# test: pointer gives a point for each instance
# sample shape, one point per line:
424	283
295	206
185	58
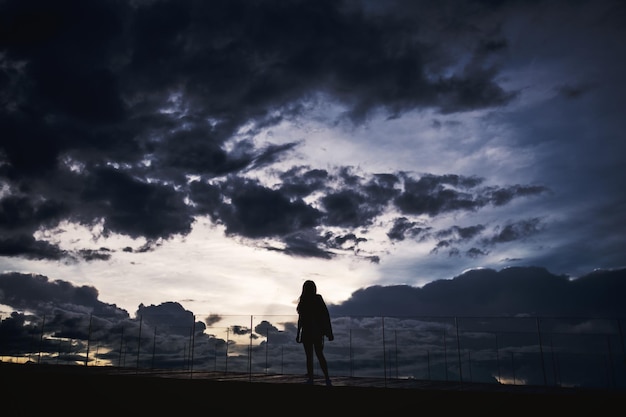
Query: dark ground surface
32	390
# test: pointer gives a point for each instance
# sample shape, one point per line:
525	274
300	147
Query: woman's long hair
309	291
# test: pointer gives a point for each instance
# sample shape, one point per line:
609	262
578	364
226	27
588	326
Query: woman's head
309	288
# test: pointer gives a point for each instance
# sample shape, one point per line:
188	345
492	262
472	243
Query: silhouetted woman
313	325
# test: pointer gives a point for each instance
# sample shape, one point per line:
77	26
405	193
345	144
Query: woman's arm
326	323
298	340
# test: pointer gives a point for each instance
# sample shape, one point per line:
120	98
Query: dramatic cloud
37	294
226	150
505	293
110	108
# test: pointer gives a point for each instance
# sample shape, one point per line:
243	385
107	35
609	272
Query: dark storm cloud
212	319
169	315
360	200
20	217
350	240
26	214
476	253
510	231
403	228
501	196
35	293
516	230
133	207
436	194
446	238
515	291
30	248
102	254
305	245
108	108
302	181
457	233
258	211
353	203
52	312
347	209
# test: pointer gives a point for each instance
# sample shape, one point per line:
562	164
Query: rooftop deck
33	389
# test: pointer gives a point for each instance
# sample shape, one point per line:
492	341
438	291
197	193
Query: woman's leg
308	350
319	352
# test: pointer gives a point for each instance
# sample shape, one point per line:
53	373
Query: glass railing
569	352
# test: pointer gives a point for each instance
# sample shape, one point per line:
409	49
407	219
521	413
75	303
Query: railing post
611	369
543	365
193	345
227	342
621	339
350	350
250	350
153	347
139	341
458	348
88	340
513	368
395	336
119	362
445	352
384	352
498	359
43	323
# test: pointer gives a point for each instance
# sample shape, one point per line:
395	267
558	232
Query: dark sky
218	153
